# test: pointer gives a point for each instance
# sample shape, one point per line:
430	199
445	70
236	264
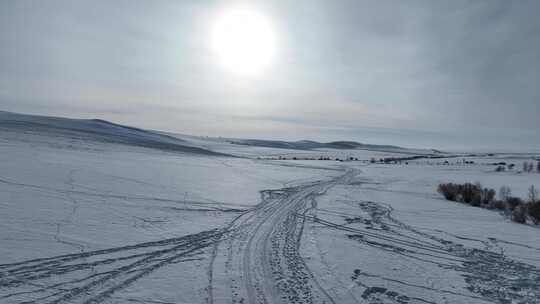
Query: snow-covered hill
95	130
94	212
334	145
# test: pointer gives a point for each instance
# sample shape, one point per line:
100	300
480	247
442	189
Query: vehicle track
261	259
490	276
256	259
260	262
94	276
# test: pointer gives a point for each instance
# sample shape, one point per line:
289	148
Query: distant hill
96	130
310	145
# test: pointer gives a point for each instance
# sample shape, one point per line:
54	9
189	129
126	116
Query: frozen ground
396	241
131	216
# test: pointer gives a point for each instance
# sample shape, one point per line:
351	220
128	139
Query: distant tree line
530	167
475	195
350	158
396	160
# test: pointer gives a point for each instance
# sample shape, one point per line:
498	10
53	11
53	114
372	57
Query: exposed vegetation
519	215
477	196
529	167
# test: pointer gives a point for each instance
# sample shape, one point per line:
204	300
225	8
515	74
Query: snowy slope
92	212
313	145
95	130
303	149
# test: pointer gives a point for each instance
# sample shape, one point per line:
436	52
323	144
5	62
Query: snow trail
257	259
260	262
93	276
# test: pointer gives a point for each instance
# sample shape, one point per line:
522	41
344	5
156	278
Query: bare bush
519	215
488	196
533	194
499	205
477	196
470	194
528	166
534	212
513	202
504	193
449	191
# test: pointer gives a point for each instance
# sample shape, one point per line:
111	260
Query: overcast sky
441	74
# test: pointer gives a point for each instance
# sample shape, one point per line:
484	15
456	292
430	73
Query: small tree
534	212
533	194
504	193
538	166
488	195
531	167
525	166
468	192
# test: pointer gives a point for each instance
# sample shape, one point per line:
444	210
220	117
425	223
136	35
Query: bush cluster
472	194
530	167
476	195
534	212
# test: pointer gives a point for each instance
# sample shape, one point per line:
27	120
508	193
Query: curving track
260	261
256	259
94	276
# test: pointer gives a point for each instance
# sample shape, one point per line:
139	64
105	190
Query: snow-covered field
92	212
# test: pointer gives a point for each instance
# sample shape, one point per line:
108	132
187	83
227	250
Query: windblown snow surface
93	212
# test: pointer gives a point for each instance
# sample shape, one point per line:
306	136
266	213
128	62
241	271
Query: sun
244	41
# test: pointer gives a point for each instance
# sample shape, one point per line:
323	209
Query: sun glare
243	40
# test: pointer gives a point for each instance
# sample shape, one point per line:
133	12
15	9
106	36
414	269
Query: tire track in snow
94	276
261	262
490	276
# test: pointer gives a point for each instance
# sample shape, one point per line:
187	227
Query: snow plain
90	217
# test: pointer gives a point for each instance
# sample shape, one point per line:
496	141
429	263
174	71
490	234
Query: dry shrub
519	215
472	194
475	195
534	212
513	202
499	205
449	191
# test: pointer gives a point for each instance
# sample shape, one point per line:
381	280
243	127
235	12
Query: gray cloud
439	73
